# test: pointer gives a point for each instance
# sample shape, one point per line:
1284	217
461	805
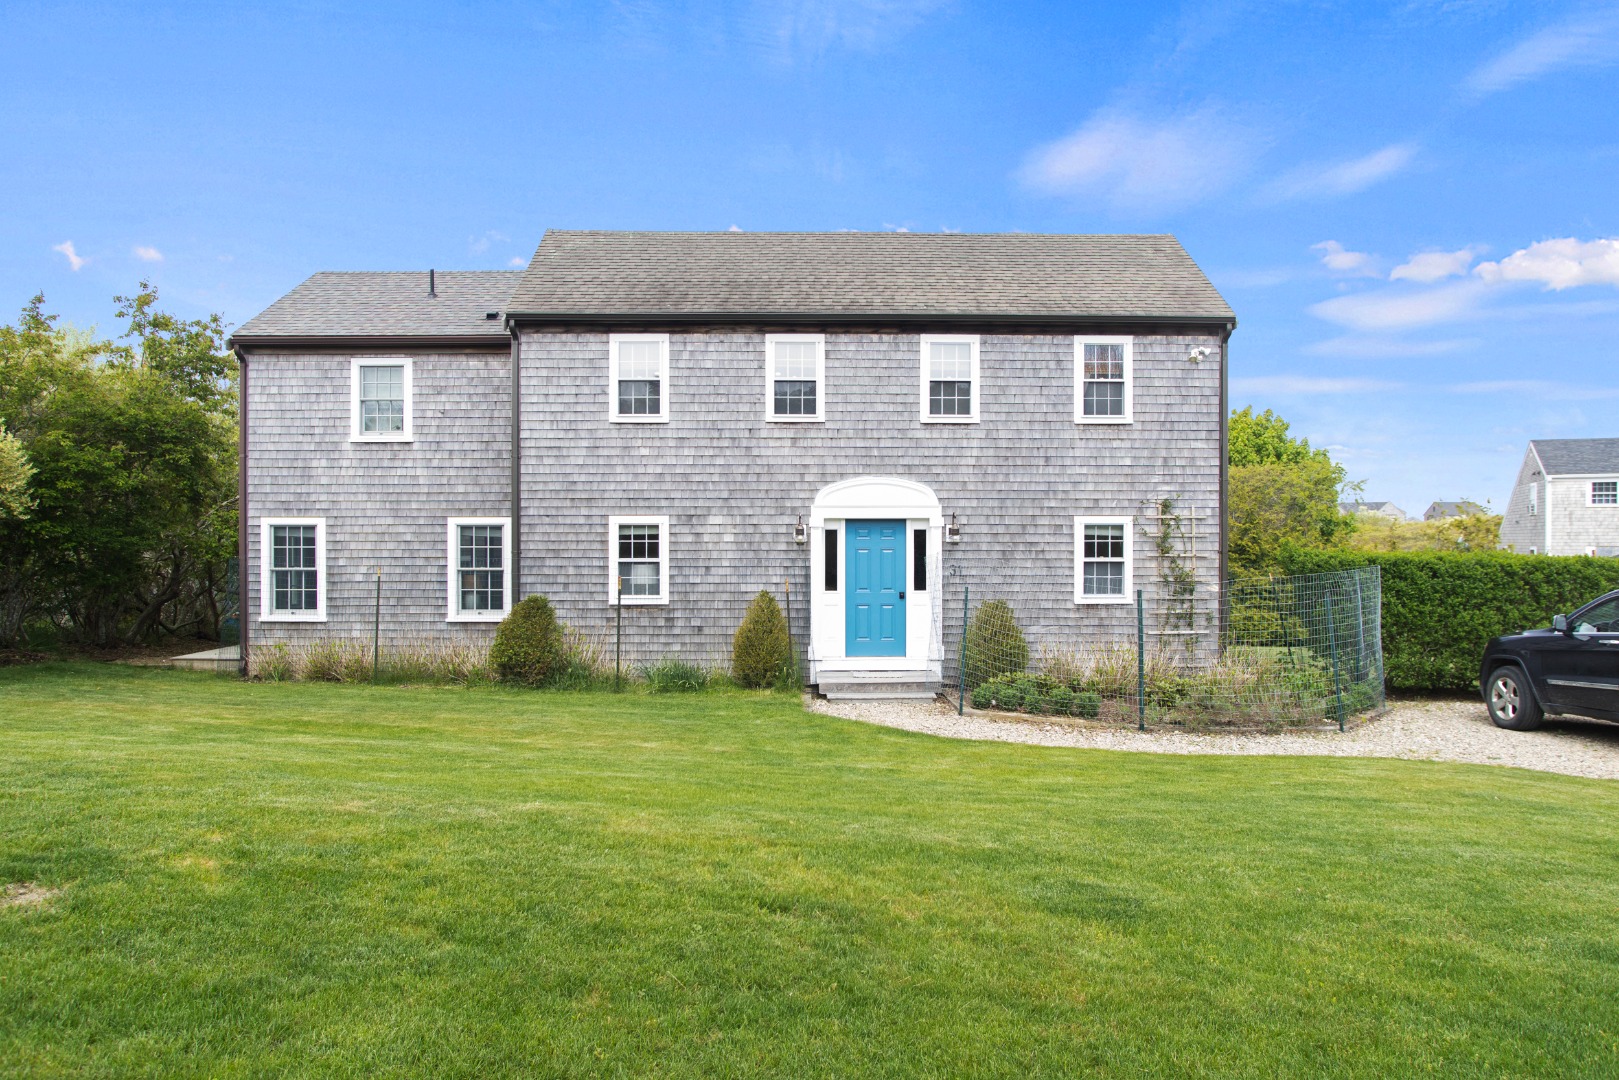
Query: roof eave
297	342
1226	323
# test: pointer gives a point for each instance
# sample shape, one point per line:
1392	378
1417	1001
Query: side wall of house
733	485
1522	531
1577	527
385	504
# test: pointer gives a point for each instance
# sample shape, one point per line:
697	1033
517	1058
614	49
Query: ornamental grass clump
671	676
995	644
762	649
528	646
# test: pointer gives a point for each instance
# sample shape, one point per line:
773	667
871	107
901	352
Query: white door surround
875	498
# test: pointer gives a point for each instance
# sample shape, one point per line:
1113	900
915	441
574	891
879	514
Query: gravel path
1423	730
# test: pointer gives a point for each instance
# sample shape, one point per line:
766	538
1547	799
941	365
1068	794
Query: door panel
874	563
1582	671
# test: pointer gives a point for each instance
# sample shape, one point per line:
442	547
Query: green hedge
1439	608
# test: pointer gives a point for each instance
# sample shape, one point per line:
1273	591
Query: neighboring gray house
1381	509
1440	511
1566	500
879	419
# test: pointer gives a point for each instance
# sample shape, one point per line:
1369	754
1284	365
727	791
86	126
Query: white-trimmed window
1605	493
480	562
382	399
639	379
1104	381
292	570
1103	561
638	560
950	384
1534	497
795	368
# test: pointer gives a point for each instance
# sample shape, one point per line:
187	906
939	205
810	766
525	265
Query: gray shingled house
1566	499
659	425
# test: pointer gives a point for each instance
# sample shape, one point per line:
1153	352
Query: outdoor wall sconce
800	533
1197	354
952	531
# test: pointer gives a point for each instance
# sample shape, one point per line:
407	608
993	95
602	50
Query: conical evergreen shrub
528	643
761	649
995	644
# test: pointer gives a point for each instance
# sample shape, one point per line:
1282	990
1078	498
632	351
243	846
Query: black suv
1571	669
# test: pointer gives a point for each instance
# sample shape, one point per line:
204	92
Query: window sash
1102	560
639	370
1605	493
481	567
1102	379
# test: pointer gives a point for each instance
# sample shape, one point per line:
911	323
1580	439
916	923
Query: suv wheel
1512	703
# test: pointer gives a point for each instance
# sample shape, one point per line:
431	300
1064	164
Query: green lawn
341	880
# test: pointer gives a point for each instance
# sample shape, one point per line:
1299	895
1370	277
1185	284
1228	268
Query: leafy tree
1282	491
15	501
1474	532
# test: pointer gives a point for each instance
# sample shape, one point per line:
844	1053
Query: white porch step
227	658
877	686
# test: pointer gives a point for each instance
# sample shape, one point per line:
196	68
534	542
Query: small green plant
995	644
670	676
762	648
273	664
528	646
1087	704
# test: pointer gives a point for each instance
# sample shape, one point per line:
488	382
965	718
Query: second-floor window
1103	380
950	389
794	369
640	378
1605	493
381	400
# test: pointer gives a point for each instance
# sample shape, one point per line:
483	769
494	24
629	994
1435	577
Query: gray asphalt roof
1572	457
389	304
1002	275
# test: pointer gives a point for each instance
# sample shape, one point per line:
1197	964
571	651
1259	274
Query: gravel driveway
1423	730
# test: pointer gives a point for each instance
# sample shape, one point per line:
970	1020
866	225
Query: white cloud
480	244
517	261
1587	40
1141	165
148	254
1558	264
1375	347
810	27
1396	309
734	228
1305	384
1543	389
74	259
1338	259
1430	266
1342	177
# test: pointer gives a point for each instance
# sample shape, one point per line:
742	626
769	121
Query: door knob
902	594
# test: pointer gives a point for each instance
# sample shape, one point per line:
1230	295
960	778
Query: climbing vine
1178	610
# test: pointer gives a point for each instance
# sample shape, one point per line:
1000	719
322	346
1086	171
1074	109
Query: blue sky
1413	207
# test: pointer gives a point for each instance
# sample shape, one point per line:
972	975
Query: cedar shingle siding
731	484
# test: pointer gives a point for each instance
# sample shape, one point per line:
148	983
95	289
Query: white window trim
613	342
978	385
820	379
612	559
407	434
266	593
1534	498
1128	596
1591	493
452	540
1129	378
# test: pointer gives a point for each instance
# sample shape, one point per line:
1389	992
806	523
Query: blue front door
874	562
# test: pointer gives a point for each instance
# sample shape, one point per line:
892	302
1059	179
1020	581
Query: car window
1601	619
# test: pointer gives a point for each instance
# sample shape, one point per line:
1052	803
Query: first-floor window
1605	493
480	569
293	556
1102	560
638	551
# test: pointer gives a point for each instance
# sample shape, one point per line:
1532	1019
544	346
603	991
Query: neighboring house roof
682	276
1464	508
1576	457
1388	509
387	304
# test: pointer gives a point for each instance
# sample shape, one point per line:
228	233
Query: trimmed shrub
528	644
1087	704
995	644
669	676
1439	608
761	649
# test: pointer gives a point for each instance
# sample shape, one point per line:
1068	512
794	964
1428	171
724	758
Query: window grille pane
951	360
1104	579
639	359
1104	541
639	398
950	399
1104	399
294	584
1605	492
1104	362
795	360
638	541
382	398
640	578
795	398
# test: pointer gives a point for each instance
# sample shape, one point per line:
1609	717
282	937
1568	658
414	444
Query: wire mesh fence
1276	652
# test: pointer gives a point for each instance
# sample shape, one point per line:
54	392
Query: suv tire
1511	700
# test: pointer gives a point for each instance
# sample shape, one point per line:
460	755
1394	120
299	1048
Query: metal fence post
618	640
1337	687
792	650
961	675
376	630
1141	664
